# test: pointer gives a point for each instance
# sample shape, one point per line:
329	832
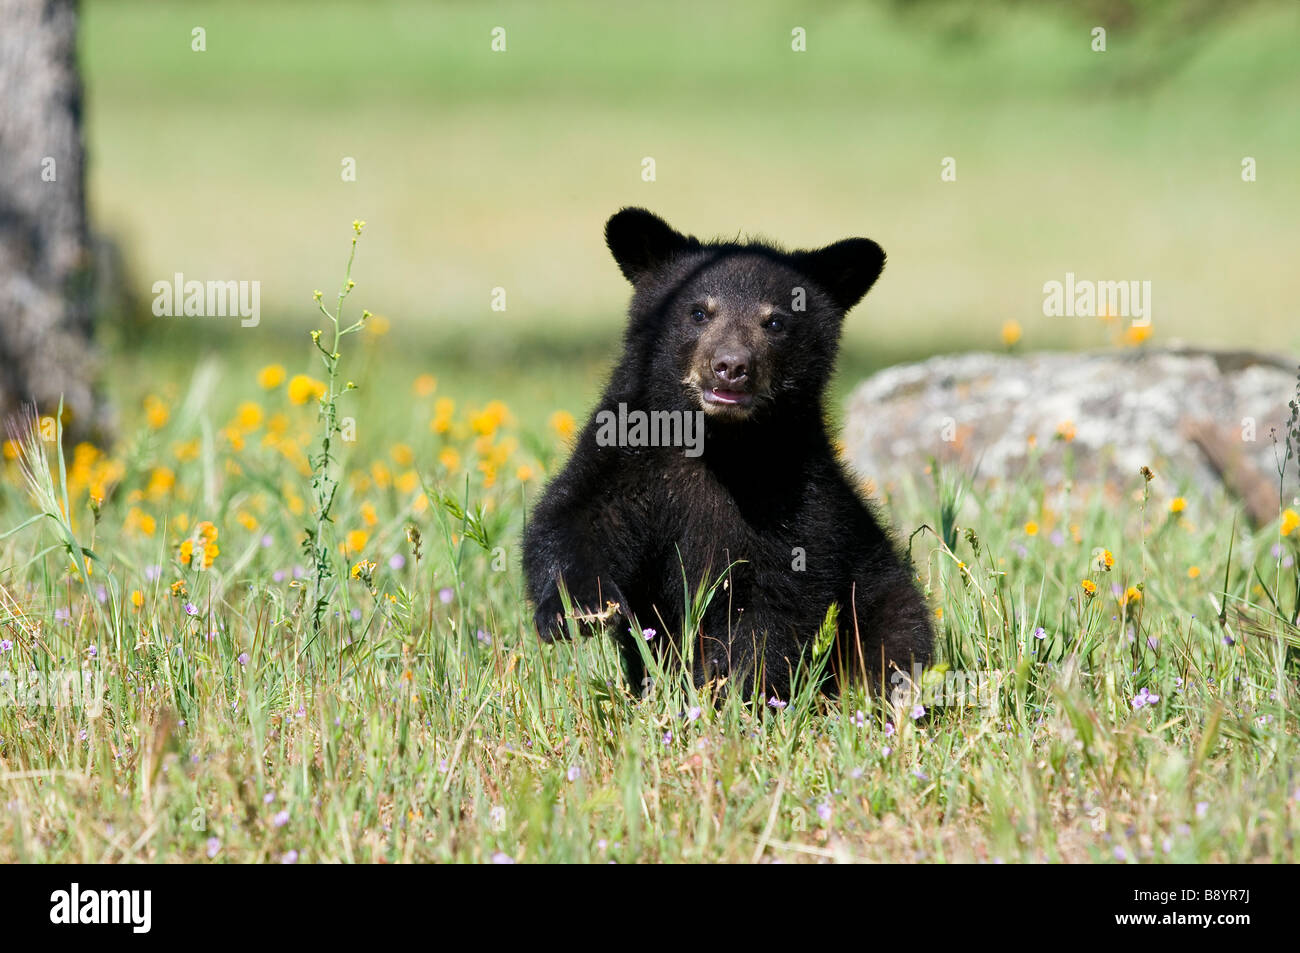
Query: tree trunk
45	263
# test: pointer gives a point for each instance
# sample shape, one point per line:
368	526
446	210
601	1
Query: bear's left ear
845	270
640	241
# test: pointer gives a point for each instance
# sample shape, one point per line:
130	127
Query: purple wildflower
280	819
1144	698
214	845
396	561
445	596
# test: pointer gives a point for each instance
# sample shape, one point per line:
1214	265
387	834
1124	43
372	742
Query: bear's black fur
718	327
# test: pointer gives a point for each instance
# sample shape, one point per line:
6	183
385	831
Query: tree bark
46	351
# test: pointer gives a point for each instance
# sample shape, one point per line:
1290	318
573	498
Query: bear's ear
640	241
844	270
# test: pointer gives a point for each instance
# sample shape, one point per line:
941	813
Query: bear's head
744	331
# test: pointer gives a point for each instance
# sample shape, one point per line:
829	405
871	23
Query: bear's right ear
641	241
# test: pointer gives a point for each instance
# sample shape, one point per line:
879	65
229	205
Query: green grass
396	732
479	170
425	722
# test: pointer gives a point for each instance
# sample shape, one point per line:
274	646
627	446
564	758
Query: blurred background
477	169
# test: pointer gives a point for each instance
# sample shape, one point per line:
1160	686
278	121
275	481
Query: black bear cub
708	457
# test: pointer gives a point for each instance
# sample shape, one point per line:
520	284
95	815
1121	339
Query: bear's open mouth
727	398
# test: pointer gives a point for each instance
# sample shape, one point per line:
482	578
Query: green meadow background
478	170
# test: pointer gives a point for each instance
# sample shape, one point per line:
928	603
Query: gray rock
1200	419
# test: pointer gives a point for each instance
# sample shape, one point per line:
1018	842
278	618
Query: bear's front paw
549	620
552	623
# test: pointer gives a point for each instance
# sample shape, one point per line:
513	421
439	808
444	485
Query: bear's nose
731	366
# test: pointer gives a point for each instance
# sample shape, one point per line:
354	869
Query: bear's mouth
727	398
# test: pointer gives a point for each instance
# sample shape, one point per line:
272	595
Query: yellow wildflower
443	409
490	418
248	416
303	388
562	423
1136	334
161	481
271	376
156	412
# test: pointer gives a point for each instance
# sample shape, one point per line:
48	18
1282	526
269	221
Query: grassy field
478	170
1118	719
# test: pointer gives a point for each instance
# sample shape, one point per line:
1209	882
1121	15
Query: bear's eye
774	324
698	315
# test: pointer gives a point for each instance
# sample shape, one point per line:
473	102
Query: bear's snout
731	366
